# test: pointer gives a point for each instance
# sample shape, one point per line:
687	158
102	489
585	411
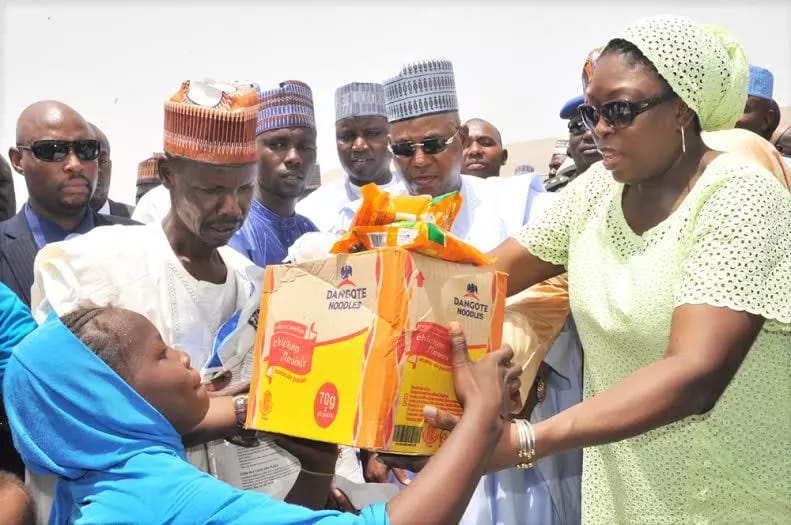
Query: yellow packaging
350	348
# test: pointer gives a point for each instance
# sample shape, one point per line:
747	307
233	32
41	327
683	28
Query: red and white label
325	406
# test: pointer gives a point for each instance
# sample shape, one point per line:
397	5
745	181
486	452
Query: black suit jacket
18	251
119	209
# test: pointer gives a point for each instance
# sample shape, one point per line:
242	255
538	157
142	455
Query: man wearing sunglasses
427	138
57	153
100	203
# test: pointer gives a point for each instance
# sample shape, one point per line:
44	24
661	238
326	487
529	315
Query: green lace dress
727	245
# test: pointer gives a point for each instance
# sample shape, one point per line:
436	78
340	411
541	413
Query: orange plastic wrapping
420	237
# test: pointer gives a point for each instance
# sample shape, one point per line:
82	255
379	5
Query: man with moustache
427	137
286	150
361	140
483	151
57	153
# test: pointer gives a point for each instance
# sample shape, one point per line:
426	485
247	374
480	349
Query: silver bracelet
527	443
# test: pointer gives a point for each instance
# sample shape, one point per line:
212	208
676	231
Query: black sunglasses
57	150
407	148
577	127
620	113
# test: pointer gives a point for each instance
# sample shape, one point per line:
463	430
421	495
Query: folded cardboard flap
350	349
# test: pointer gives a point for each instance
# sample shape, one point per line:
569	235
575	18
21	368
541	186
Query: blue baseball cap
570	108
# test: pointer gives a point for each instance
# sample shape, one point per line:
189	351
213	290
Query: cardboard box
350	348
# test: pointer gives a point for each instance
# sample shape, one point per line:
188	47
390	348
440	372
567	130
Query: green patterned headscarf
705	65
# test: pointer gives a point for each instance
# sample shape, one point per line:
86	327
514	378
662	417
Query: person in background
483	152
559	156
361	141
100	203
148	175
524	169
286	145
7	195
57	153
685	365
153	205
581	149
761	114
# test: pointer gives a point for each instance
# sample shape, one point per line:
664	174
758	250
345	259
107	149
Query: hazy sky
516	63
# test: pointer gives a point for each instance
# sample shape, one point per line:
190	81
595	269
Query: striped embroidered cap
212	122
290	105
421	88
148	170
359	99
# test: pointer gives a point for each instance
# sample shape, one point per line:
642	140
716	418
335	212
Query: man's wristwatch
240	407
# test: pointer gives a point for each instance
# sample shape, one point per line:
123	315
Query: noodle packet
420	237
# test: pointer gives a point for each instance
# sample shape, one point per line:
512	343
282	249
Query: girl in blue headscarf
99	400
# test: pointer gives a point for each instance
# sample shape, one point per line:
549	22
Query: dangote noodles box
351	348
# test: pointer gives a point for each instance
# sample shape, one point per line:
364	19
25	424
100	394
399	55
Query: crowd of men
209	204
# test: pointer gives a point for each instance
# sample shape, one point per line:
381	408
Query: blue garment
16	322
265	236
117	459
554	486
549	493
45	231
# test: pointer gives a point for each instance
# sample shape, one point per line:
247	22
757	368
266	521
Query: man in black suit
100	203
57	153
7	197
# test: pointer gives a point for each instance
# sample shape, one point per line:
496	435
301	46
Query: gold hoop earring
683	143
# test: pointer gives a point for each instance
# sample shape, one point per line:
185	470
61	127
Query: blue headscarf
117	459
16	322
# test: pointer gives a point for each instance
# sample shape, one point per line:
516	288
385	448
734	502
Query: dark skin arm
523	268
707	346
439	494
310	490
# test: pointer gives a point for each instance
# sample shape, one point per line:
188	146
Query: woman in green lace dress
679	265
